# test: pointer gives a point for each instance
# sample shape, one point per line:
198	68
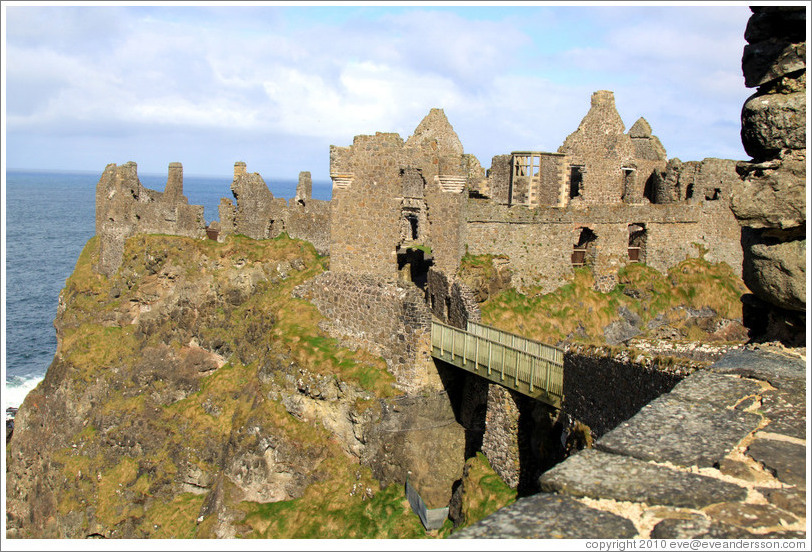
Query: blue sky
275	86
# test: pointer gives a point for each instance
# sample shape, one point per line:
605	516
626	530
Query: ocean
49	217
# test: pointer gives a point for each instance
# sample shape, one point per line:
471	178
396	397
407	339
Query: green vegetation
131	341
337	511
577	313
484	491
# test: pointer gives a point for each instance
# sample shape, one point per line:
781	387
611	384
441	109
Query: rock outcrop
192	396
770	200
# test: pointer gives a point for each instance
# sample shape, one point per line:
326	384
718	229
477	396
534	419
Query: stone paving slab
785	460
786	408
713	388
548	516
683	432
749	515
597	474
697	527
789	499
776	369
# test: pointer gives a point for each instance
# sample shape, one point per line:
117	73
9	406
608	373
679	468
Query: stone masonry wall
499	179
381	316
602	390
601	145
451	301
539	242
373	181
259	215
124	208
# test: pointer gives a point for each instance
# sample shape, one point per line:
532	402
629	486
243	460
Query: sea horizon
49	217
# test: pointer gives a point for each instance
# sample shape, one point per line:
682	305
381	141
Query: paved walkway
723	455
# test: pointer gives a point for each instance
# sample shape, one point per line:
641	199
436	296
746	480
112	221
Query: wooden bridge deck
524	365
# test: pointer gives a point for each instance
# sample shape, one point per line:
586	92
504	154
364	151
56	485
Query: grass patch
484	491
335	513
577	313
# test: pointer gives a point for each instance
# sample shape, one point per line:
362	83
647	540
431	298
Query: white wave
17	388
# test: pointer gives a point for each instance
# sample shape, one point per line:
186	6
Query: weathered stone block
680	431
597	474
546	516
770	60
785	460
697	527
775	272
716	389
749	515
773	122
771	194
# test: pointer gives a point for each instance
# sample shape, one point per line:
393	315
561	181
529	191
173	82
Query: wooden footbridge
524	365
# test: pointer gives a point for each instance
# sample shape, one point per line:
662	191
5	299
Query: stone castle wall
124	208
382	182
387	318
539	241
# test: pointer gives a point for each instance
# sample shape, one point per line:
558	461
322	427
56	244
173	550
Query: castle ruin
404	212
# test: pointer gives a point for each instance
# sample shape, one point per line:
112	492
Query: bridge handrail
533	370
532	346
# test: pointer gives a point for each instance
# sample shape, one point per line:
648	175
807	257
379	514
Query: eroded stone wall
259	215
602	147
539	242
451	301
124	208
374	190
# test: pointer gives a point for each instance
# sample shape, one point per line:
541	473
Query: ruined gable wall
366	212
554	173
124	208
650	158
499	179
259	215
310	222
602	147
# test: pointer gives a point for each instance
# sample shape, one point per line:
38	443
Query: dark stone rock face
696	527
683	432
772	194
787	461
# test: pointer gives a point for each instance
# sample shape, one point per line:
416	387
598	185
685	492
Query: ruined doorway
414	264
637	243
584	250
648	189
413	233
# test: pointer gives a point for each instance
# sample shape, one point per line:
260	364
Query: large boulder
772	123
770	200
775	270
771	194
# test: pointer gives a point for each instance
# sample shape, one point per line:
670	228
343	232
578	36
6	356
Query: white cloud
204	73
